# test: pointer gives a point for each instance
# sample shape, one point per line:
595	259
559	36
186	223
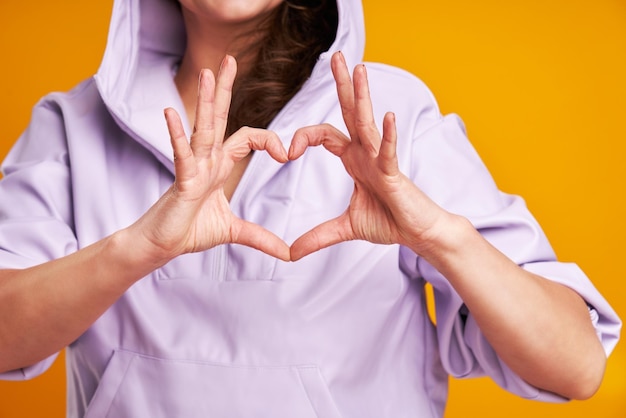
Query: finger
311	136
223	95
245	139
183	157
387	157
364	114
203	136
324	235
345	92
255	236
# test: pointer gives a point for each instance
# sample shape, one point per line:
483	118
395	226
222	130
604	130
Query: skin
539	328
220	13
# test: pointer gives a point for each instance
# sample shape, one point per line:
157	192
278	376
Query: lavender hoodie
232	332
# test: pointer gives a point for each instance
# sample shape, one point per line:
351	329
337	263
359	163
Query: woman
165	314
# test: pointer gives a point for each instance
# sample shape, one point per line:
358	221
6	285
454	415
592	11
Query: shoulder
46	135
396	90
82	99
399	84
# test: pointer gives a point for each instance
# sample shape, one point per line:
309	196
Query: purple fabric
233	332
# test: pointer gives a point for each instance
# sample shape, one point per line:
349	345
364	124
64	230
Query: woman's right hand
194	214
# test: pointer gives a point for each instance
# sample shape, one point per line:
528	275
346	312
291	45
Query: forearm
46	307
540	329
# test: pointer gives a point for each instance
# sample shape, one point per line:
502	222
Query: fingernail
363	70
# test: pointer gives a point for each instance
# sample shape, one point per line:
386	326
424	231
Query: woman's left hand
386	207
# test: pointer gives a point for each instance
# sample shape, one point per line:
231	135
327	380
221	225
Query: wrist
448	236
135	257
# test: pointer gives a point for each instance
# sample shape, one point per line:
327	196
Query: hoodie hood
145	44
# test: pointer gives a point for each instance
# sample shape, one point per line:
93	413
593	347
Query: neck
207	44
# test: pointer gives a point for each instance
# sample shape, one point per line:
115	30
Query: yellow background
539	83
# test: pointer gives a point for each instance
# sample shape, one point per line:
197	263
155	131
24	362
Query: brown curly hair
297	32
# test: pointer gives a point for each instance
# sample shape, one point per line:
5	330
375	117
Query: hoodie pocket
135	385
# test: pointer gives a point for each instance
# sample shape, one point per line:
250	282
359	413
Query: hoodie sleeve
448	169
35	203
